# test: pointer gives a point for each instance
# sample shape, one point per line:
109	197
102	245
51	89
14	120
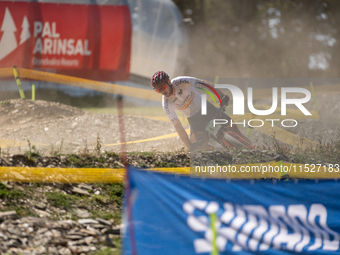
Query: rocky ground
58	218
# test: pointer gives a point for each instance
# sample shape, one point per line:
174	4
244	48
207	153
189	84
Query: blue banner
176	215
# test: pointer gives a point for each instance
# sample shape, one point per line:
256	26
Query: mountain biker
180	94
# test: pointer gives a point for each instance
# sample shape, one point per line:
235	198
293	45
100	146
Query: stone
8	215
40	206
42	213
74	237
64	251
89	232
106	222
82	213
87	221
85	186
6	184
89	240
80	191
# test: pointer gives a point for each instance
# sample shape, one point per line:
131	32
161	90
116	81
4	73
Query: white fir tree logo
25	32
8	41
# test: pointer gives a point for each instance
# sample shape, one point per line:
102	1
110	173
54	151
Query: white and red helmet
159	79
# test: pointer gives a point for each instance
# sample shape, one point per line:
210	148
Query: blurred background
262	38
209	38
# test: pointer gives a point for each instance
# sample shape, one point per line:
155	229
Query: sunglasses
161	88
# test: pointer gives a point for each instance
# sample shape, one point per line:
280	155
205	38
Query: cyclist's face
164	89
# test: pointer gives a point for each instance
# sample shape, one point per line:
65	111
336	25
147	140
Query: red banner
88	41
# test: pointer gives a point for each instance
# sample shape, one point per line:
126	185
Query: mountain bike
221	133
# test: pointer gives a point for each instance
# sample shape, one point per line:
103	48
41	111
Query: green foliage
103	199
103	215
60	200
115	191
3	191
107	251
74	160
21	210
10	195
86	160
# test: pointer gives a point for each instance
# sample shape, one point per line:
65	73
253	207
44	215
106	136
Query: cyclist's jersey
185	98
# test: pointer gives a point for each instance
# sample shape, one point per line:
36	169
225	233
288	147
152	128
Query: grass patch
12	198
21	211
106	215
10	195
60	200
107	251
115	192
104	200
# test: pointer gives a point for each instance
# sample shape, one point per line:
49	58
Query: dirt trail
57	128
54	127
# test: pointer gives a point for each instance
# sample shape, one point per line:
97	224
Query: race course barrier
83	83
271	170
126	91
238	217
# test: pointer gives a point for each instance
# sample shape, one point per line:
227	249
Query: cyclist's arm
170	112
182	134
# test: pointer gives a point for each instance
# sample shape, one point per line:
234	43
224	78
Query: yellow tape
144	94
11	143
89	84
111	175
64	175
6	73
162	137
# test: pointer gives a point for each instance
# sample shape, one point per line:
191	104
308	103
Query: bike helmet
159	79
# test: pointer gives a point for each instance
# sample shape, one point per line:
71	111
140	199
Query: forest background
262	38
